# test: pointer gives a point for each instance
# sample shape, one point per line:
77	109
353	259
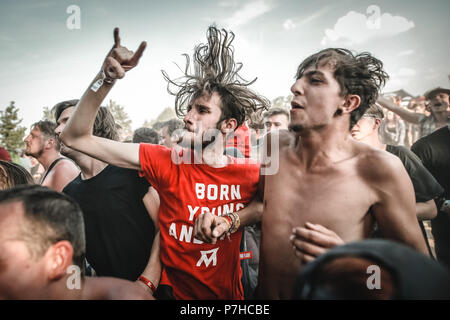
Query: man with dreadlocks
197	183
329	188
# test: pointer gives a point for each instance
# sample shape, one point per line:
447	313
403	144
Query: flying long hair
214	70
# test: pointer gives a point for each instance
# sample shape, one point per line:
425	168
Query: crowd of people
238	200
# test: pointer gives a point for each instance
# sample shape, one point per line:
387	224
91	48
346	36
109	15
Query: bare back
339	196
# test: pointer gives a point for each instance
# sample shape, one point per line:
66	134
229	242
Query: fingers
127	58
198	222
318	235
304	257
205	228
313	237
220	229
305	250
319	228
209	227
202	227
135	58
122	54
116	38
113	69
306	247
307	258
313	240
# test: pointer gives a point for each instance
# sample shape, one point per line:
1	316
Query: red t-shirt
197	270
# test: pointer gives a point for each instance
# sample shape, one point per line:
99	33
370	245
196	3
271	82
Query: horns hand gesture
120	60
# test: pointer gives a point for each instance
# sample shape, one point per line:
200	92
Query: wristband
148	283
235	222
104	79
230	221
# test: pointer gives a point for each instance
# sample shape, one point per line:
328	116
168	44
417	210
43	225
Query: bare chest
335	197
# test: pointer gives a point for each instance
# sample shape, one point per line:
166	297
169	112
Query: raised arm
403	113
78	132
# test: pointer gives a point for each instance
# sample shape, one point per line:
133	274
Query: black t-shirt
119	230
434	151
425	185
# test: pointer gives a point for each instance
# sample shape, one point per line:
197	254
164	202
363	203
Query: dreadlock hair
360	74
216	71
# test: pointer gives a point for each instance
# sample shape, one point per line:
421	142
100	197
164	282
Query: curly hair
216	71
360	74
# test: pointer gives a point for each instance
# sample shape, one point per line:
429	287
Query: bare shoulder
378	165
107	288
66	165
61	174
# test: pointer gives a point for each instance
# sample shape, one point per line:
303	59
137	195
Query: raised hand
120	60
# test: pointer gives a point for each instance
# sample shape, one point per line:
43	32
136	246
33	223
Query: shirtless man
42	249
43	145
327	180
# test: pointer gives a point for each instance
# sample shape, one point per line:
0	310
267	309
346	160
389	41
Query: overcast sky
47	57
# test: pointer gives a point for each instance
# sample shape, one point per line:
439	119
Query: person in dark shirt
119	230
434	151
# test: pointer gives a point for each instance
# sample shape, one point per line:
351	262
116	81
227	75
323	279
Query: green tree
48	114
121	118
148	124
282	102
167	114
11	133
